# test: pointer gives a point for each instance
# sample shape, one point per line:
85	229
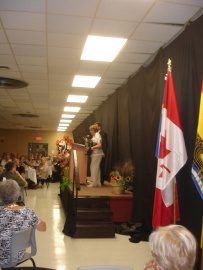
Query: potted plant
121	178
65	182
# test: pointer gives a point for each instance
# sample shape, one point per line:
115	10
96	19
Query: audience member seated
11	173
1	173
173	248
19	168
5	159
14	218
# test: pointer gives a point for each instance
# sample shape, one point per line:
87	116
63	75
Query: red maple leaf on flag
163	150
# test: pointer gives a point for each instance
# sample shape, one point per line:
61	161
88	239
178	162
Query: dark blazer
104	141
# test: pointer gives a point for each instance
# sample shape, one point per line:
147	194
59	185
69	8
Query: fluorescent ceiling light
77	98
102	48
63	125
67	116
85	81
59	129
66	121
71	109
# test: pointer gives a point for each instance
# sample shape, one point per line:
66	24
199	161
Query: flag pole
174	185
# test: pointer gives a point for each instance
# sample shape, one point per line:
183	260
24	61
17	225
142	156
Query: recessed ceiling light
85	81
71	109
66	121
102	48
59	129
77	98
67	116
63	125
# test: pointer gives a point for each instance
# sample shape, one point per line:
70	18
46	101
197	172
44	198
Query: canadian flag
171	154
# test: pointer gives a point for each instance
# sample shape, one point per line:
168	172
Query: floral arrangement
123	175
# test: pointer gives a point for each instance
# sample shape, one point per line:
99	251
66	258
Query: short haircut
9	165
173	247
9	191
98	124
94	127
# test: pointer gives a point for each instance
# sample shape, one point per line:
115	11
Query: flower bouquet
123	176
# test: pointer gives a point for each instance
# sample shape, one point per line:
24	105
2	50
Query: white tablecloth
30	173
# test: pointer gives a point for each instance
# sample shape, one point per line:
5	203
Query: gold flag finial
169	65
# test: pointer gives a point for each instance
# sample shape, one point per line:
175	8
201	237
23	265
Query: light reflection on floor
61	252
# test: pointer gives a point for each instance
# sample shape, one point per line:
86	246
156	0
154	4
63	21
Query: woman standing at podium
96	157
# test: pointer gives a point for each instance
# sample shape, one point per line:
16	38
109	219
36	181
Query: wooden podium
82	162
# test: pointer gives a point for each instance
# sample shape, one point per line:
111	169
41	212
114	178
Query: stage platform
121	205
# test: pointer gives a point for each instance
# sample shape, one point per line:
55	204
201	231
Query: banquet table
30	173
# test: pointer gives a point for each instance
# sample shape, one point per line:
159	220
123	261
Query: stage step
93	202
94	218
95	230
88	215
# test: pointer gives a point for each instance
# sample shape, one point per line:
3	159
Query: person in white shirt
42	172
96	157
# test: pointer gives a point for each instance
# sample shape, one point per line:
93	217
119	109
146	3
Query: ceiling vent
9	83
33	127
25	115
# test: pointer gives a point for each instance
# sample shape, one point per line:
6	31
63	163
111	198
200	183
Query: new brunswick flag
197	166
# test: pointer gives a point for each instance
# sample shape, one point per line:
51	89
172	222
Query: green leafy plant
65	182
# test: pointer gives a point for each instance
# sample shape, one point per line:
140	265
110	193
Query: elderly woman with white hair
14	218
173	248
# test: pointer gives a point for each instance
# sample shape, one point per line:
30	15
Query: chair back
22	240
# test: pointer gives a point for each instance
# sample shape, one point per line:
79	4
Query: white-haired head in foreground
173	248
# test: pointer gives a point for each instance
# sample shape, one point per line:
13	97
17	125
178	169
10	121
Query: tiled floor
58	251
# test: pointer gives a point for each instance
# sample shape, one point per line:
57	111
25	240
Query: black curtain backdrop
131	117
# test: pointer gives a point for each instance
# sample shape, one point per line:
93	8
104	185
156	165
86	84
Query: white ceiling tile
38	76
94	65
118	81
12	68
6	60
23	5
23	20
29	50
66	40
63	62
28	60
112	28
31	28
26	68
164	12
117	74
62	70
123	66
3	38
26	37
33	82
137	46
5	49
124	10
76	7
10	74
132	58
156	33
90	72
64	52
37	87
186	2
69	24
